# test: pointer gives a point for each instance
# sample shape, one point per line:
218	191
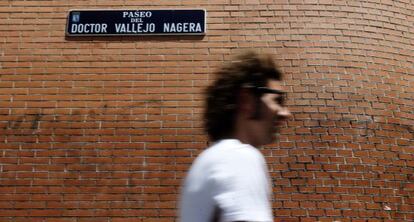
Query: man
229	181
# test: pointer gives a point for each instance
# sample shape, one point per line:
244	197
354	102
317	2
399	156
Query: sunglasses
281	99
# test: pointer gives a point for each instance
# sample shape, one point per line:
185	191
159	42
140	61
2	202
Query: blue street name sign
136	22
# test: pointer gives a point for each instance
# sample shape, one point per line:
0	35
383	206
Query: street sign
136	22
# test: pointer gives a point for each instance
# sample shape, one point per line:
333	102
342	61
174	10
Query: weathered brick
88	124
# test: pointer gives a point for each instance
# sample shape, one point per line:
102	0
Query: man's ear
246	102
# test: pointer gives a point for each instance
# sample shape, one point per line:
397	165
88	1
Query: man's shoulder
228	151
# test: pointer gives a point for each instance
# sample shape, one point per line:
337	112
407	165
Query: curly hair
247	69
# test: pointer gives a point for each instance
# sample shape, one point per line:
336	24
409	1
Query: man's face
273	112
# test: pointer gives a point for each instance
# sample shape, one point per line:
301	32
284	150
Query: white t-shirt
229	175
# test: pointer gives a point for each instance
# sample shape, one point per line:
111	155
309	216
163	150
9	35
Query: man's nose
284	113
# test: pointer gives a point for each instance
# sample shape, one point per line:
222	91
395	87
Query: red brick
83	119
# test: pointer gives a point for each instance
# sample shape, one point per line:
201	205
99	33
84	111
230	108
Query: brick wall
104	129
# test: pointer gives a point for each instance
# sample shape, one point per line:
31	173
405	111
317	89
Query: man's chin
275	136
271	139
